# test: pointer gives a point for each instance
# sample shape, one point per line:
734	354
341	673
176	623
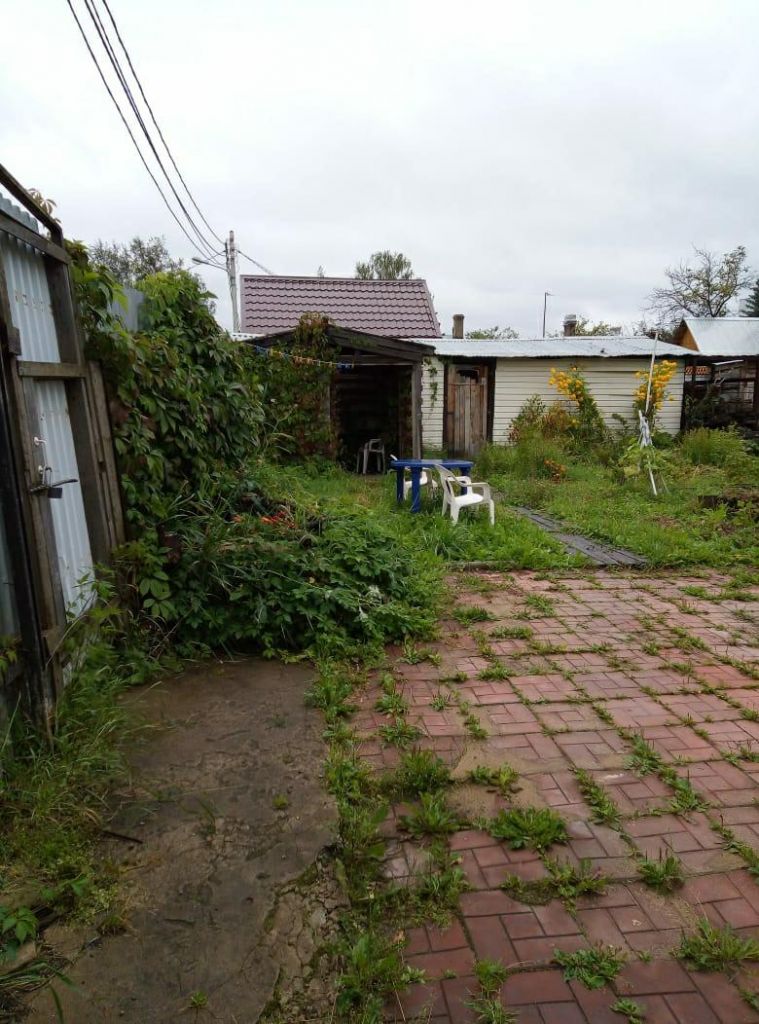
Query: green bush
705	447
531	458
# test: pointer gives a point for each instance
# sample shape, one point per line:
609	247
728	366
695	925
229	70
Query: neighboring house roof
607	347
722	336
396	309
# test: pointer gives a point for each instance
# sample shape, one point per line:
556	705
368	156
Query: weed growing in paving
686	799
420	771
490	1010
495	672
438	890
565	882
750	998
431	818
487	1005
468	614
474	727
330	694
594	967
534	828
503	778
440	701
714	949
633	1011
603	808
665	874
644	759
414	655
457	677
372	967
391	704
539	606
511	633
400	733
490	974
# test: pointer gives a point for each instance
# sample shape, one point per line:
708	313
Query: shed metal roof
606	347
724	336
394	309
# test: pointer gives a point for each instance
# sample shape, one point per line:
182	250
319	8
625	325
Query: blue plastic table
460	467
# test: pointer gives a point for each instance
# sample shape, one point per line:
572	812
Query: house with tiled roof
391	309
382	330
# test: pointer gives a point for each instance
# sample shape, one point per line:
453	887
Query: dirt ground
227	893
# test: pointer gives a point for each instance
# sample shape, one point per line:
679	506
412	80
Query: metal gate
57	444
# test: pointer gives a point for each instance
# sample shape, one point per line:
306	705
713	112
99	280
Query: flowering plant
661	375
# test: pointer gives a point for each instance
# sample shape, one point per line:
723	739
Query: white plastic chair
375	446
454	499
425	479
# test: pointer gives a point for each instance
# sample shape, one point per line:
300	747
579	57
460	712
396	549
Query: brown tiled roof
397	309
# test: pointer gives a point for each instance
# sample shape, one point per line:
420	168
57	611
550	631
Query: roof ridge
327	277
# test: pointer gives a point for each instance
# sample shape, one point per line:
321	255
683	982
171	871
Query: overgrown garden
243	537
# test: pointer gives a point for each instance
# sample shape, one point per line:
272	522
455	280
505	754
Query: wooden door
469	401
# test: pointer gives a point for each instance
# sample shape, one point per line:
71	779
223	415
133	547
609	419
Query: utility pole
231	253
545	303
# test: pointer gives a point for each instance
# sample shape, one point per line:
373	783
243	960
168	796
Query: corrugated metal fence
59	497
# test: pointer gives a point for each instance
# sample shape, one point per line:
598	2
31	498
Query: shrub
705	447
528	420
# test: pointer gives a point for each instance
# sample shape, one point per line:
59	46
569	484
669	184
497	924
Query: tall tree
493	334
751	305
585	328
385	266
130	263
705	287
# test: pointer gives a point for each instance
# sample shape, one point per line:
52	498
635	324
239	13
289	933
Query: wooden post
416	411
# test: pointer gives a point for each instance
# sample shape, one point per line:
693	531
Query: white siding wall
612	382
433	387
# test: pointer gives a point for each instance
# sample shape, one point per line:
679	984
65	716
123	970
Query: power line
130	133
208	249
256	263
158	127
111	54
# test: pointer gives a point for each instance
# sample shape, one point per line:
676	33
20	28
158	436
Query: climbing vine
432	375
297	399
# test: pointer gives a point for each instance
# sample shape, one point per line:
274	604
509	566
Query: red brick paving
544	720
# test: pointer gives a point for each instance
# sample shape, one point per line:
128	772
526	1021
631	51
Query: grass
503	778
673	529
467	614
534	828
432	817
513	543
628	1008
512	633
391	704
400	733
593	967
420	771
664	875
715	949
565	882
602	807
487	1006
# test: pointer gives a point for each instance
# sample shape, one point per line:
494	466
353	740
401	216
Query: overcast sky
507	148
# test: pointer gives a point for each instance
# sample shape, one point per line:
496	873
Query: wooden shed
375	389
472	390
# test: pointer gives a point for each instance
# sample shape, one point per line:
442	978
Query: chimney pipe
458	325
570	325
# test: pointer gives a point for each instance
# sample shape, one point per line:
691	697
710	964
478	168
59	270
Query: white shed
472	390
